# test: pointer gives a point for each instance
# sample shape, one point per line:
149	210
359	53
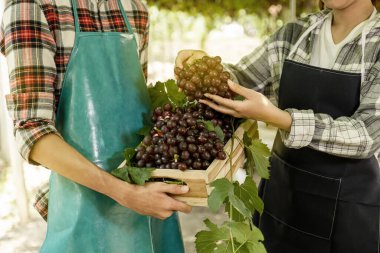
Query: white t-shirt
325	50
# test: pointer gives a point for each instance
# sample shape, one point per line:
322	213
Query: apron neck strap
363	41
121	8
303	36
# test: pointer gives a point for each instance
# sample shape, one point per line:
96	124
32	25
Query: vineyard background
227	28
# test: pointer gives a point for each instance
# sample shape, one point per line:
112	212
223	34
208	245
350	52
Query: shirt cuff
302	129
28	136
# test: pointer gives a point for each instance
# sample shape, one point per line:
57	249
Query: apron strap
126	21
363	40
76	18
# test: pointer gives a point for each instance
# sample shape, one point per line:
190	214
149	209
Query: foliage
167	92
241	201
228	7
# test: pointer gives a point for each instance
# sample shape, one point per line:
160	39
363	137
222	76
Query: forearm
54	153
278	118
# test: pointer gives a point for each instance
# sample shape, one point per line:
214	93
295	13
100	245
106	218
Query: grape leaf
129	153
219	133
122	173
222	188
249	194
167	92
239	205
210	127
212	240
257	154
133	175
140	175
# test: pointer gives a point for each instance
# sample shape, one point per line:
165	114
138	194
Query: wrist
280	118
116	188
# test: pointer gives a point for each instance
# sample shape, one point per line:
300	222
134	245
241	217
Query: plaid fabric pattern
41	202
357	136
37	37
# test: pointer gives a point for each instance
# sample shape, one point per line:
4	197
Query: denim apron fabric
315	202
103	105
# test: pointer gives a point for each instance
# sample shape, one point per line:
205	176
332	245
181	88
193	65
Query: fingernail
207	95
185	188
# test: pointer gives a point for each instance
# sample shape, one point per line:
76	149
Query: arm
31	104
151	199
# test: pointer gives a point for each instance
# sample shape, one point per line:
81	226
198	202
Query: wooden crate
199	180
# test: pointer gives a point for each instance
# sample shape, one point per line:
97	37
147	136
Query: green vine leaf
222	189
129	153
133	175
210	127
258	155
213	240
167	92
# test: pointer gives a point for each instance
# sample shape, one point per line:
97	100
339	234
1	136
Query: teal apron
104	103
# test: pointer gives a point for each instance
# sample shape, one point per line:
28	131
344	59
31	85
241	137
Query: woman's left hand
255	106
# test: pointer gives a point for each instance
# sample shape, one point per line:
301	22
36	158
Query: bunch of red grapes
180	140
205	75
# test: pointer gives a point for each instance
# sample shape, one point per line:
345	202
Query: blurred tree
231	8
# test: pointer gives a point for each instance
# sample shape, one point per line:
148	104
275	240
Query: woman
323	72
78	98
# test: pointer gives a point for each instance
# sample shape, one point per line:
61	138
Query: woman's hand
188	57
254	106
153	199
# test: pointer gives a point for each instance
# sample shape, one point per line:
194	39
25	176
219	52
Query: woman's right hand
188	56
153	199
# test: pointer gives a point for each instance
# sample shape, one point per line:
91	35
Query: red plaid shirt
37	37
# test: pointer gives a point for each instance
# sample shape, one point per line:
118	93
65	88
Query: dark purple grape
190	139
166	114
185	155
202	140
206	156
221	155
191	122
150	150
197	165
219	145
138	155
188	162
195	155
213	152
147	140
182	166
208	145
192	148
168	107
158	111
212	135
183	146
173	150
201	149
140	163
205	164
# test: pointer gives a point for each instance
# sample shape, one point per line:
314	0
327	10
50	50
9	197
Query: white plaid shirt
357	136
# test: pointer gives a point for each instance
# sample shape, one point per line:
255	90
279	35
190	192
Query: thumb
176	189
182	57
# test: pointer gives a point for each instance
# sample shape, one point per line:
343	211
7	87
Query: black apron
315	202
